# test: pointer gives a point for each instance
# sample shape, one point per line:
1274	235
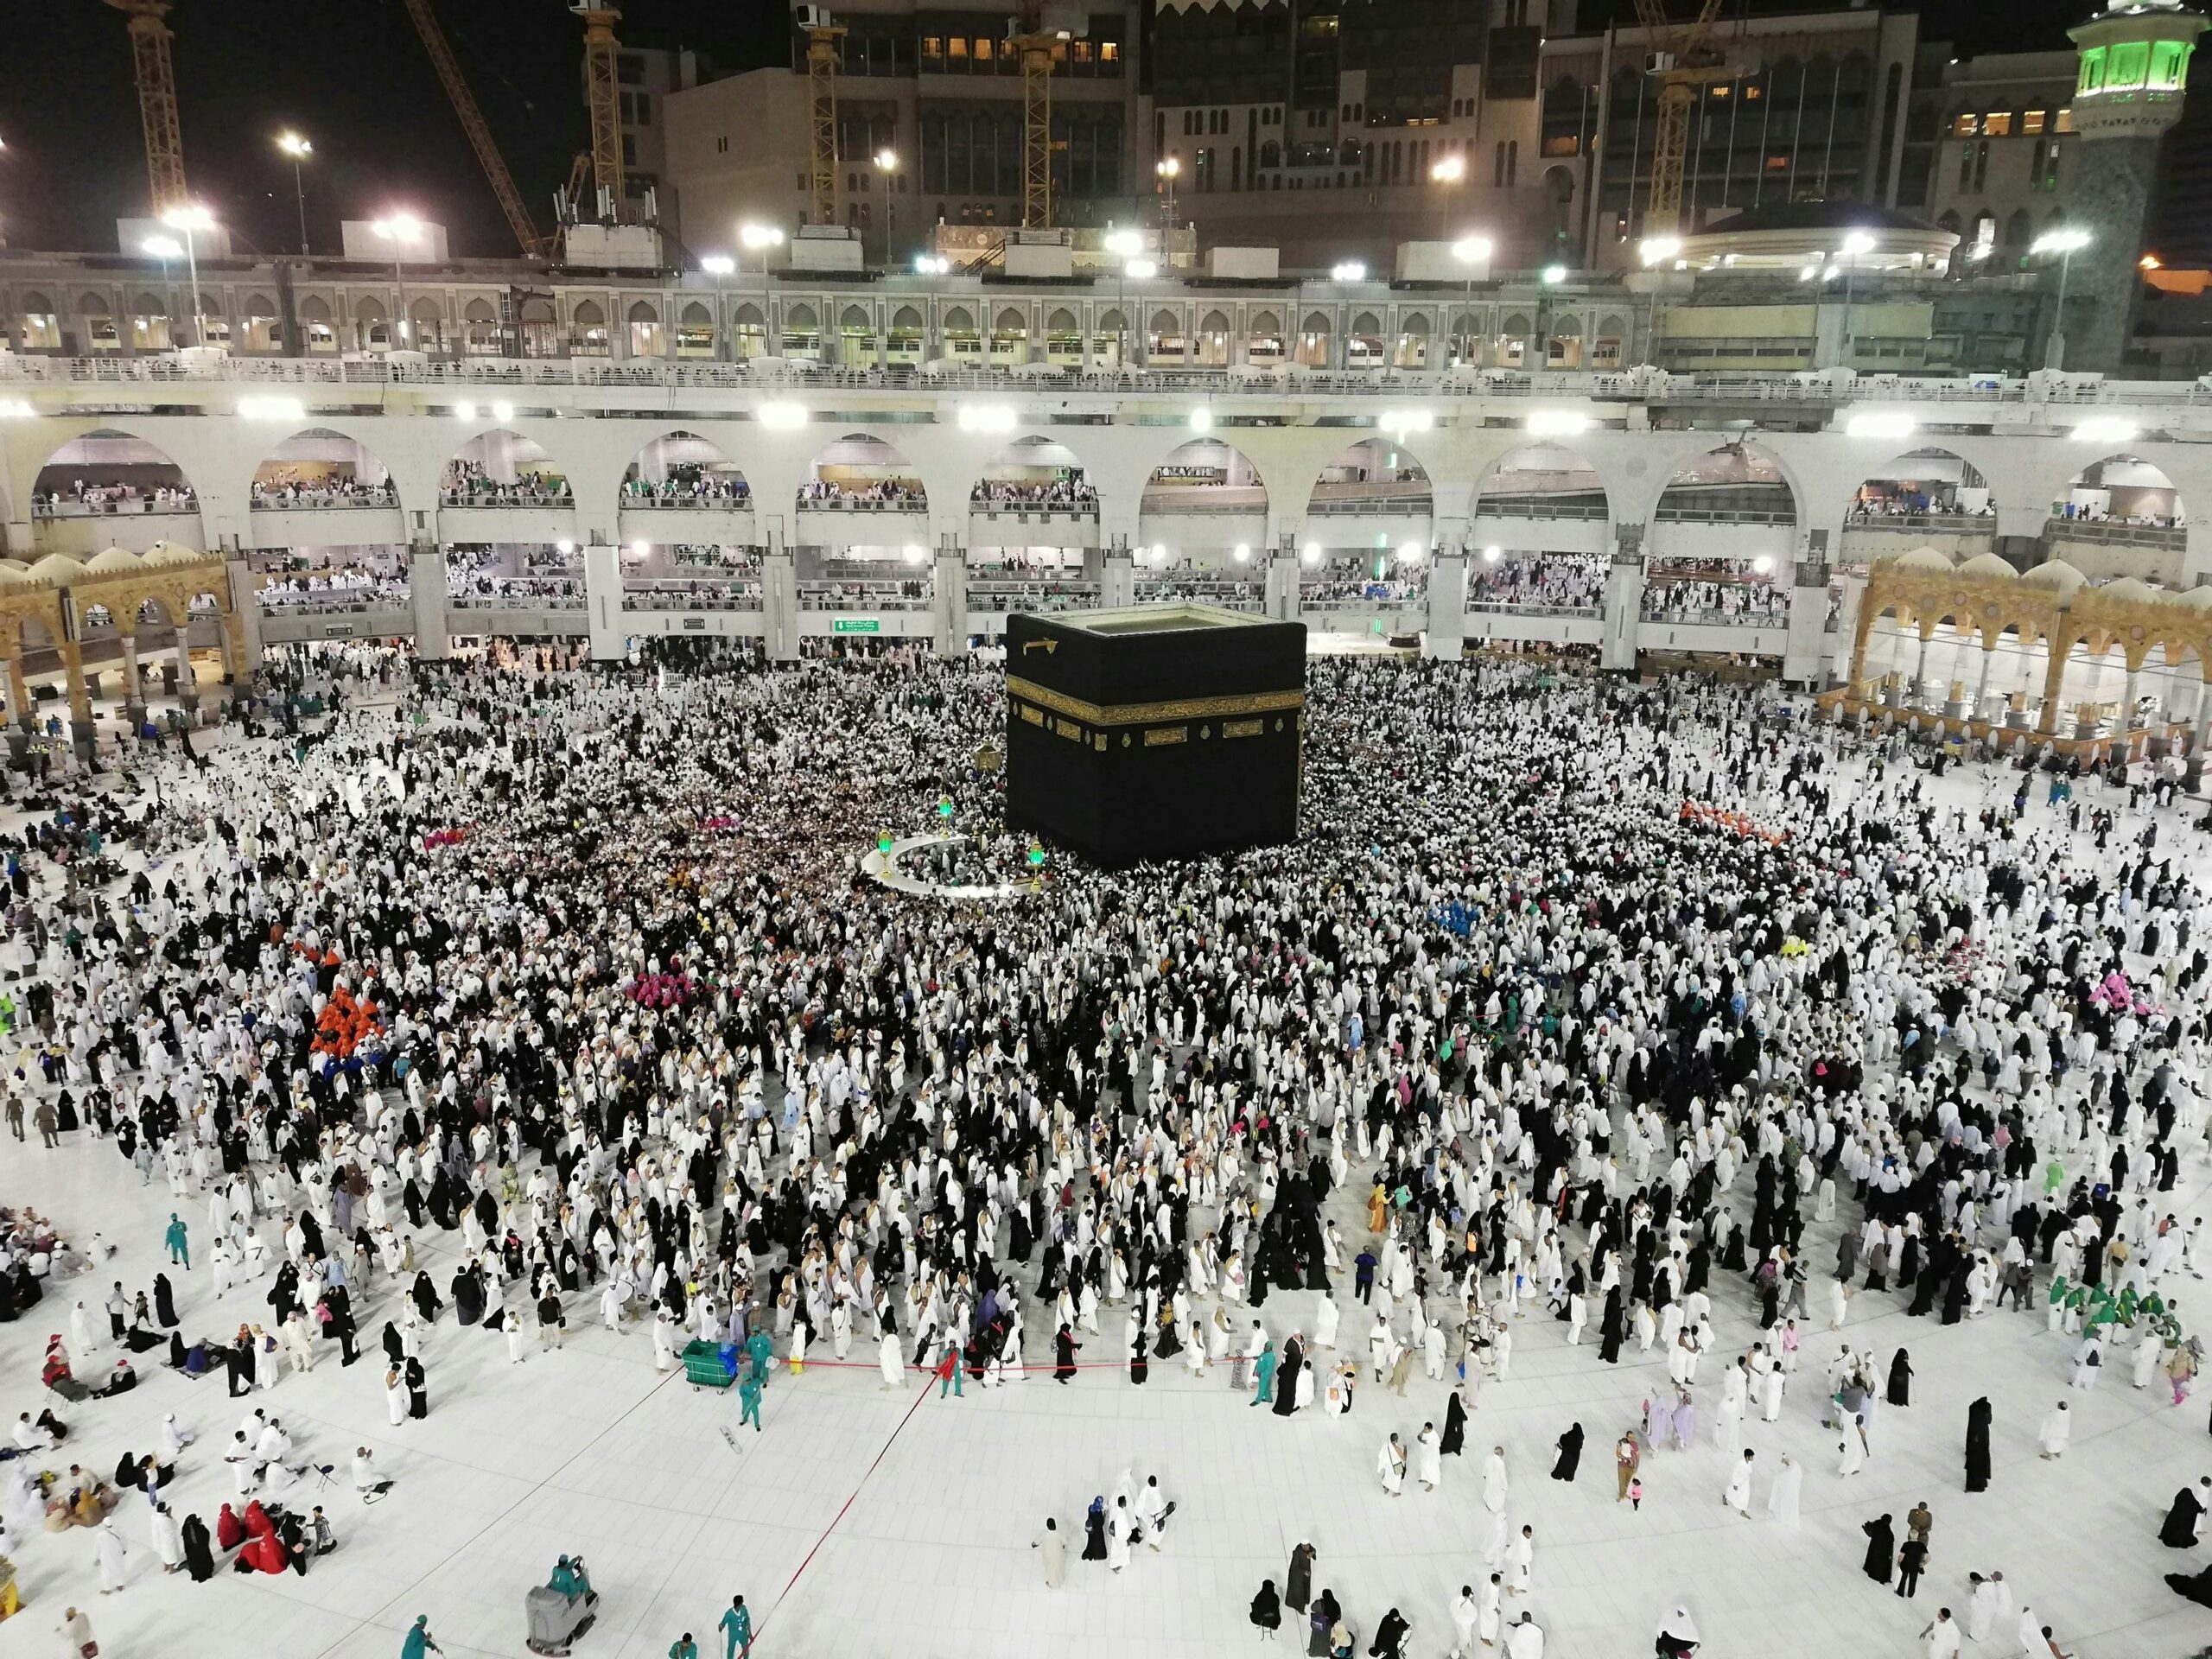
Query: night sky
353	77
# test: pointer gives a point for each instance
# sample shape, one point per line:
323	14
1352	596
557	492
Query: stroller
558	1612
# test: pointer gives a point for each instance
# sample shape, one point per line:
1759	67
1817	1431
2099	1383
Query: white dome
1923	558
1988	565
2055	573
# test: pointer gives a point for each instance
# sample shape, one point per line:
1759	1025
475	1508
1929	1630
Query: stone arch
2131	487
1943	485
856	465
500	456
1038	473
1522	480
1740	467
1375	474
680	463
317	456
109	456
1182	479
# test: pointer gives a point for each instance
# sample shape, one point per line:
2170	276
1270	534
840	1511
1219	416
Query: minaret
2134	63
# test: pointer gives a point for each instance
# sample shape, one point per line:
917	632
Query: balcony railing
1667	515
1929	523
499	498
515	603
2116	532
1623	387
126	507
327	500
633	502
1522	507
1521	608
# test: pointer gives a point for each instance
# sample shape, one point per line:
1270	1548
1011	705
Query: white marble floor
866	1522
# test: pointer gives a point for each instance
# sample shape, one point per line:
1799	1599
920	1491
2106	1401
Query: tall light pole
399	230
1447	173
1853	244
2061	242
190	217
299	149
164	248
887	163
718	266
761	237
1143	270
1124	246
1170	169
1472	251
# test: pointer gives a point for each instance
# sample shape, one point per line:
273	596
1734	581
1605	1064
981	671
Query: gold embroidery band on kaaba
1139	714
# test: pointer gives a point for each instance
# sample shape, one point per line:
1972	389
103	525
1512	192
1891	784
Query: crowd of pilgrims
640	1033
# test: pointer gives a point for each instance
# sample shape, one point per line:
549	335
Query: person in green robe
749	1398
1266	1366
570	1578
737	1625
419	1640
760	1350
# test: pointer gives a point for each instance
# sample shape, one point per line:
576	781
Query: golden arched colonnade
57	596
1983	601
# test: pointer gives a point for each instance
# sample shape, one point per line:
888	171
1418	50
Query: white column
949	604
609	632
780	600
1283	584
1117	579
1445	638
247	609
426	595
188	687
1624	601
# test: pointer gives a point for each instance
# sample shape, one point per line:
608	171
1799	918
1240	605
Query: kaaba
1158	732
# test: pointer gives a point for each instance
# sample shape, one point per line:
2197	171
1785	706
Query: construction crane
534	246
824	50
150	62
1039	29
600	94
1682	59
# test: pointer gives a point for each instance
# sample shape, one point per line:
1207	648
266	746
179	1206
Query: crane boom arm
471	123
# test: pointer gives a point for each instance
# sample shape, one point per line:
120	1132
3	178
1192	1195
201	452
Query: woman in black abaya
1287	1378
1978	1445
1455	1426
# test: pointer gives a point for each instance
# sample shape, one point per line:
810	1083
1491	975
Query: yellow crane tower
1040	28
479	135
825	51
1682	59
150	62
600	94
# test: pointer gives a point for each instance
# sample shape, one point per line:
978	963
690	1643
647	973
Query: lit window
2032	122
1966	126
2065	122
1999	124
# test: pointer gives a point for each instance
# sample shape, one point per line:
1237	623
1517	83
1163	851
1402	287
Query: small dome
1989	565
2196	599
15	564
2130	591
1923	558
113	561
12	575
2055	573
57	569
170	553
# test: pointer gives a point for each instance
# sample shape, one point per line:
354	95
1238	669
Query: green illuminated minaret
2134	65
